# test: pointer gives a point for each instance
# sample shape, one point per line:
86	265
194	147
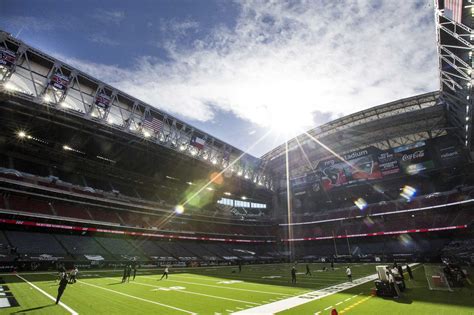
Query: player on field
349	273
124	277
240	266
165	273
332	265
308	272
129	272
410	273
293	275
134	271
62	286
73	275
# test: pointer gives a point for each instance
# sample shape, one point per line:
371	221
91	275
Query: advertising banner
59	81
357	166
414	158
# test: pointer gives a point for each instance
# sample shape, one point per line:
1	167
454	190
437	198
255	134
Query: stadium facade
92	175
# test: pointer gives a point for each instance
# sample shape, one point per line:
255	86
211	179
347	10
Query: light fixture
244	198
210	188
227	193
9	86
214	161
179	209
67	148
189	183
46	98
21	134
64	105
146	134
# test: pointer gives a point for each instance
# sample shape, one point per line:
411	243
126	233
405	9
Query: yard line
338	303
70	310
137	298
327	308
196	293
220	287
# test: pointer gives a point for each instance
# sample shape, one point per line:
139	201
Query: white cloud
303	62
103	39
108	16
176	27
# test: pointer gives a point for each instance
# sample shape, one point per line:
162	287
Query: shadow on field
32	309
403	300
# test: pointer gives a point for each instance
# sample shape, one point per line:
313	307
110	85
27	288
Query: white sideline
70	310
137	298
285	304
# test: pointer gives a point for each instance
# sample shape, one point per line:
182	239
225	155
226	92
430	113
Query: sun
289	121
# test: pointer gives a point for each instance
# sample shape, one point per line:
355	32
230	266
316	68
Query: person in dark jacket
62	286
308	272
410	273
400	271
124	277
134	271
293	275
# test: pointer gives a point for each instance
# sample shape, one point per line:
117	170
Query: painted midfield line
70	310
137	298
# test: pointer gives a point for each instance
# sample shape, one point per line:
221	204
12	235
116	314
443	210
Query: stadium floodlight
189	183
243	198
239	173
246	176
182	147
64	105
21	134
179	209
47	98
10	86
214	161
67	148
227	193
146	134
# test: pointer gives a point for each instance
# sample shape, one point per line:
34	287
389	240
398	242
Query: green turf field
223	290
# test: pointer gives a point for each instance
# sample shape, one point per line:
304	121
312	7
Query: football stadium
111	205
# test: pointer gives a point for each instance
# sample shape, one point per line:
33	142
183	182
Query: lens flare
408	192
361	203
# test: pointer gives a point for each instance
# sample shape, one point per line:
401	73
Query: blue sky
237	69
